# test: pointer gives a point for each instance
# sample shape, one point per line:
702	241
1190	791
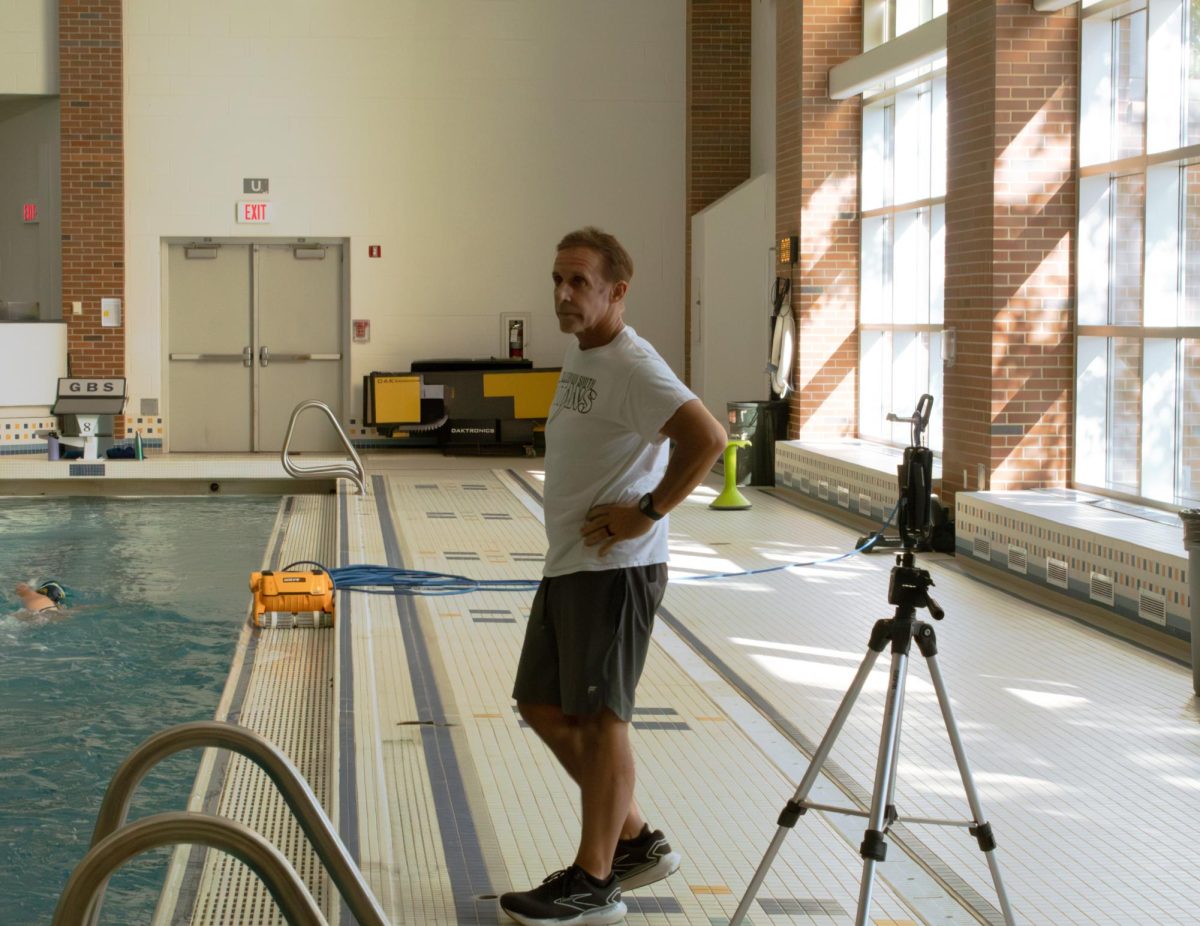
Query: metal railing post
287	778
166	829
354	470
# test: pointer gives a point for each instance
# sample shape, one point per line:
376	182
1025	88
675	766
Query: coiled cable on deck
388	580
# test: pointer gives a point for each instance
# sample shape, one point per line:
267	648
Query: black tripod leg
794	808
874	846
982	830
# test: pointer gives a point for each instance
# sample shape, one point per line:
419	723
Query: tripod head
908	588
915	474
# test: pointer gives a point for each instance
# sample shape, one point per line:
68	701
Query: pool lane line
189	886
456	790
347	802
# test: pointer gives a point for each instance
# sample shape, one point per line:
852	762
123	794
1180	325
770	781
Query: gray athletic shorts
587	639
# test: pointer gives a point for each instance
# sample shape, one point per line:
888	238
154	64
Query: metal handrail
89	877
353	470
287	778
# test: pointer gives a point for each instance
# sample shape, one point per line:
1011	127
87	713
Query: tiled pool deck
1085	749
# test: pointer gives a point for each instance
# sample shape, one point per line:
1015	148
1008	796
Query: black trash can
762	423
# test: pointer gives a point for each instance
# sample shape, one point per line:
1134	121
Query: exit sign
29	212
253	213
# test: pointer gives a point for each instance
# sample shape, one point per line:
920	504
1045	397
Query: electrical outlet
77	308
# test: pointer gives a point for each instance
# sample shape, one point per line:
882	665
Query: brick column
91	87
1012	85
817	155
718	117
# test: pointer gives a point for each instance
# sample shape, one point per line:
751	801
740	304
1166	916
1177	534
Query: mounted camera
917	510
914	519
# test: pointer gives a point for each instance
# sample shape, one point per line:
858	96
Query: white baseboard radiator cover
852	476
1081	546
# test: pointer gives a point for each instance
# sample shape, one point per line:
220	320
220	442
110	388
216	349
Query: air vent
982	547
1018	559
864	503
1152	607
1100	588
1056	572
823	490
843	496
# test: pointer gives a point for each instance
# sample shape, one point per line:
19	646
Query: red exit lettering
253	212
29	212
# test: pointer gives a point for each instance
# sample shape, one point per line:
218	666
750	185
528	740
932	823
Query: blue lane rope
386	580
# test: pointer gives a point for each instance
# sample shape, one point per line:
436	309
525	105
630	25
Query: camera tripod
908	591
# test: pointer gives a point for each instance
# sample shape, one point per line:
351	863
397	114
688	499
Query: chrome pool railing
113	843
351	469
165	829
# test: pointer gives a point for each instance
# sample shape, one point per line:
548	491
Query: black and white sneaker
644	859
567	898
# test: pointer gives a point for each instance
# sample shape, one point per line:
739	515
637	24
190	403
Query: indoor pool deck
1085	749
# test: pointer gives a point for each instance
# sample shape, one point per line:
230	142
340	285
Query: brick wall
93	181
789	22
718	116
1012	85
817	154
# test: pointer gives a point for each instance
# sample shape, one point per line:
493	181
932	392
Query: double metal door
253	330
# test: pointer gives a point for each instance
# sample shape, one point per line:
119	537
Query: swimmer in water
44	599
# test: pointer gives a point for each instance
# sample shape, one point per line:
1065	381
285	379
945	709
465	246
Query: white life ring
783	353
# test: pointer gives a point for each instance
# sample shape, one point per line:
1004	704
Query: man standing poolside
609	483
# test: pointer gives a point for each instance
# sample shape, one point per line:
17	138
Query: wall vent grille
1018	559
864	503
823	490
1100	588
982	547
1056	572
843	496
1152	607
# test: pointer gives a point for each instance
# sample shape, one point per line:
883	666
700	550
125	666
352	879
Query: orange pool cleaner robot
291	592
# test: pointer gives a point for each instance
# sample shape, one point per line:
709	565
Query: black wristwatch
646	507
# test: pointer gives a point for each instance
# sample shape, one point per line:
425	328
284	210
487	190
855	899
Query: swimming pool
157	597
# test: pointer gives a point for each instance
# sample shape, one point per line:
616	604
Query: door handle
244	356
264	356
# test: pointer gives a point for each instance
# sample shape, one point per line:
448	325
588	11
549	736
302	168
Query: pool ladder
351	469
114	841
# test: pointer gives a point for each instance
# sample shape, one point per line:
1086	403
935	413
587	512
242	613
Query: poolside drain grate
801	906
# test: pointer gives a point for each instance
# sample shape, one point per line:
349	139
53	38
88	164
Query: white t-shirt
604	446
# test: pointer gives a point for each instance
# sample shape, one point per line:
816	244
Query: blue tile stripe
462	848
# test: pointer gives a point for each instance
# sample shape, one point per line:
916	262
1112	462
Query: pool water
158	595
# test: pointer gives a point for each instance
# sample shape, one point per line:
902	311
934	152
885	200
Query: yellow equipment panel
532	392
397	399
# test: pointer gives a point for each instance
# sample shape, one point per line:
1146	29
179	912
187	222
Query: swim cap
53	591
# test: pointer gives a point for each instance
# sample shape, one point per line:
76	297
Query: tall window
902	256
1138	349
